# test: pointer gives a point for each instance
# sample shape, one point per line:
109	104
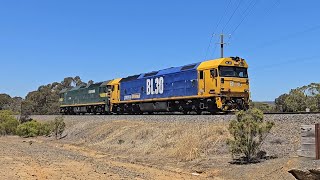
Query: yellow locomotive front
227	80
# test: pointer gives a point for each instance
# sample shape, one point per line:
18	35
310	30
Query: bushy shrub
58	126
34	128
248	133
8	123
29	129
46	129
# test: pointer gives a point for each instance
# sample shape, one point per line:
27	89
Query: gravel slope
284	139
103	133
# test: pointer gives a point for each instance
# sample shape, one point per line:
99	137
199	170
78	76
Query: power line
293	35
249	10
295	60
214	50
246	15
232	15
225	12
276	3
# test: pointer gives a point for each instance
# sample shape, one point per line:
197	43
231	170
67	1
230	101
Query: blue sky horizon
44	41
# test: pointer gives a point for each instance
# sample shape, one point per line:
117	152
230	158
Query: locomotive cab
227	80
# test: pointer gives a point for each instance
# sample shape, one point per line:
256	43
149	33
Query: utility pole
221	44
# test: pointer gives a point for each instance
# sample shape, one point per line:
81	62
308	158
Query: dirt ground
122	149
42	159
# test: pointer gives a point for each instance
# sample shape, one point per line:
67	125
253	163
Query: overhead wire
249	10
287	37
220	20
274	5
233	13
246	14
266	68
235	10
291	61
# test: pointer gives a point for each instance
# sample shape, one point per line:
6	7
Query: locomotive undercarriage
185	106
234	103
81	110
189	106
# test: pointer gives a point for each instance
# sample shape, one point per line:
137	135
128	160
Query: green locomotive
91	98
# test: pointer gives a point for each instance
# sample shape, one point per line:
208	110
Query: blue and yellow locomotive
219	85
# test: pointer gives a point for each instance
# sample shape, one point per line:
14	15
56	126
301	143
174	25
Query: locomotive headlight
246	90
247	82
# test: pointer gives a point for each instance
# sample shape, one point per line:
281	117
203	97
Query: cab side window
101	90
213	73
201	75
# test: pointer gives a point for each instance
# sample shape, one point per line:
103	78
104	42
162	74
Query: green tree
77	80
281	104
5	100
15	105
8	103
45	100
299	99
67	82
90	82
248	133
296	101
26	111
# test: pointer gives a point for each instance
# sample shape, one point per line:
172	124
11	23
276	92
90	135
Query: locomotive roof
105	83
170	70
64	90
193	66
100	84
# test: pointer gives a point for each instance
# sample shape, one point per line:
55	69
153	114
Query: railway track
292	113
181	114
280	118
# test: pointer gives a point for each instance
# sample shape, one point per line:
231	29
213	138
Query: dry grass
183	141
200	139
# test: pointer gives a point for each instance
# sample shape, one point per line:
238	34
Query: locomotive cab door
214	81
202	84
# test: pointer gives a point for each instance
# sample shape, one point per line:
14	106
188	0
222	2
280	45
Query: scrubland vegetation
44	100
9	125
297	100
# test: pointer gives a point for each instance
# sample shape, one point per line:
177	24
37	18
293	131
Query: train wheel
199	112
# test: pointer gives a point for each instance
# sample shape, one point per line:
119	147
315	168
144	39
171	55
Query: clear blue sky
45	41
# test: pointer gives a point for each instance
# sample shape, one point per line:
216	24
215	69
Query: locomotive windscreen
228	71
